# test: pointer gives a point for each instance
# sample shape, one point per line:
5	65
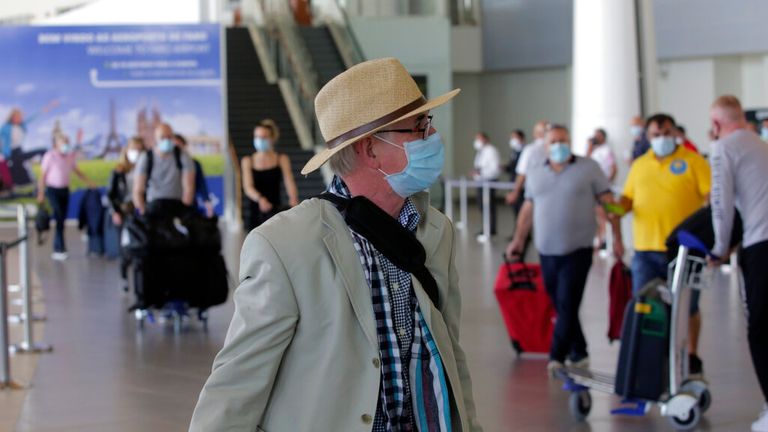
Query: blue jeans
649	265
565	277
59	199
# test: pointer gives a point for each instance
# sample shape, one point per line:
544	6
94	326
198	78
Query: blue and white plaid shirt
403	345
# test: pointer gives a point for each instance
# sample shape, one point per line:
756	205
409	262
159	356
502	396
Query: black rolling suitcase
643	367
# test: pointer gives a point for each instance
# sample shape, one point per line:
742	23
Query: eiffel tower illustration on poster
112	144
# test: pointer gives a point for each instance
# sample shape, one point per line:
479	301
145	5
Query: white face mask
133	155
477	144
515	144
678	140
636	131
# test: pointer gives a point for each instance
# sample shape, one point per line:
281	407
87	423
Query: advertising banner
101	86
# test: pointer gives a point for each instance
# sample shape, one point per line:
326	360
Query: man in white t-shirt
601	152
533	152
487	168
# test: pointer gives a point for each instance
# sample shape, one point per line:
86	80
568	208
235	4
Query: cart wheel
139	316
580	404
516	346
689	422
705	401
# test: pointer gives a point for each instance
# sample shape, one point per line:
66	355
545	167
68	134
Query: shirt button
367	419
376	363
402	332
396	286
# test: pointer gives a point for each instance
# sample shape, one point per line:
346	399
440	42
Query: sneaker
554	368
761	425
695	367
59	256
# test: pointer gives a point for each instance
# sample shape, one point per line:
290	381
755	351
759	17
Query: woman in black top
262	174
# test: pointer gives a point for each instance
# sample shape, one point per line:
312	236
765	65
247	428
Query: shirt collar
409	214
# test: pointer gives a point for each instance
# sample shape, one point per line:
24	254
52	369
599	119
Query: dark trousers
565	277
753	260
59	199
491	207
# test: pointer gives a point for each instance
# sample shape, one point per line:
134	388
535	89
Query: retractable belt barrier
28	345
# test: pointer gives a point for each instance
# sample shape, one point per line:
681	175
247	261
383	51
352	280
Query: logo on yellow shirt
678	166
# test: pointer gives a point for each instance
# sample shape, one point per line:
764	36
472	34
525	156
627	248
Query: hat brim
322	157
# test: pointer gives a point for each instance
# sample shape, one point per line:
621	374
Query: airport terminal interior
596	147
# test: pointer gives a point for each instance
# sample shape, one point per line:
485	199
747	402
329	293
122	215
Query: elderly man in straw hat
347	313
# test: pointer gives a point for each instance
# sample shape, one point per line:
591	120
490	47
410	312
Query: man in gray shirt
164	183
561	193
740	180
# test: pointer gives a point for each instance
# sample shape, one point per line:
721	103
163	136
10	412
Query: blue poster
102	85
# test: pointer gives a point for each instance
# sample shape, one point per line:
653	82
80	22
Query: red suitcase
525	305
619	294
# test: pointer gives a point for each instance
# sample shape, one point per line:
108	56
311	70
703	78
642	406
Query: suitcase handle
529	285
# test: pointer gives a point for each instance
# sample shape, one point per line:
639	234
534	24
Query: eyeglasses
424	130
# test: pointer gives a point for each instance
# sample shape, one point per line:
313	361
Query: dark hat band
362	130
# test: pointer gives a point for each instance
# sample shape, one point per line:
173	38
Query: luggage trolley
683	399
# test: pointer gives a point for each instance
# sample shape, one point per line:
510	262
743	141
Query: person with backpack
56	171
202	195
164	179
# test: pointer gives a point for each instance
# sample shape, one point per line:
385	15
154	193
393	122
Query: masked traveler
347	313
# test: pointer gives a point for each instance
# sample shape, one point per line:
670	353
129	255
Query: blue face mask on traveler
663	145
65	148
764	133
425	163
559	152
165	145
261	144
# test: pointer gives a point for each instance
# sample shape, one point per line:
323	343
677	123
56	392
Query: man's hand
515	249
293	202
40	197
714	262
208	209
117	219
618	249
511	197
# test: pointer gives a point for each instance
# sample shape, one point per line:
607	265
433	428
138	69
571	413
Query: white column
606	89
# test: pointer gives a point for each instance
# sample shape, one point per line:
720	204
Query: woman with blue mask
263	172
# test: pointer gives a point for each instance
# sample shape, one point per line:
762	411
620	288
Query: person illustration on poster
12	135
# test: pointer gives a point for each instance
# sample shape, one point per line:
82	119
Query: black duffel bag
204	232
134	237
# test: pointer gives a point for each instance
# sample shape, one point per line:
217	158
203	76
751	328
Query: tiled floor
104	375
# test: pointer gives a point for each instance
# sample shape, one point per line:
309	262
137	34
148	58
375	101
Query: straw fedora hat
363	100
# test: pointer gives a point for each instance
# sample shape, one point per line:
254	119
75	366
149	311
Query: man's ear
366	154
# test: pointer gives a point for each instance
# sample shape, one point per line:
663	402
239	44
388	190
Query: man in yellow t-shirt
664	186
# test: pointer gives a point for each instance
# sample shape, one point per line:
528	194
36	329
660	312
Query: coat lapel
341	247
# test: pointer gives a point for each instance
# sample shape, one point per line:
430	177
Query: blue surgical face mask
663	145
636	131
559	152
165	145
261	144
425	163
764	133
65	148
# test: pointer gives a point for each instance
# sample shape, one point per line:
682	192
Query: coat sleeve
236	393
452	316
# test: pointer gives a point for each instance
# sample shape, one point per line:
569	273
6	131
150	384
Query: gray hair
344	161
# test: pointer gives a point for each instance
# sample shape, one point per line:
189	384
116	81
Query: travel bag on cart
527	310
619	294
642	372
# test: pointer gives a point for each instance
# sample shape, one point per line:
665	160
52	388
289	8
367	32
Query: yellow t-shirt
664	193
